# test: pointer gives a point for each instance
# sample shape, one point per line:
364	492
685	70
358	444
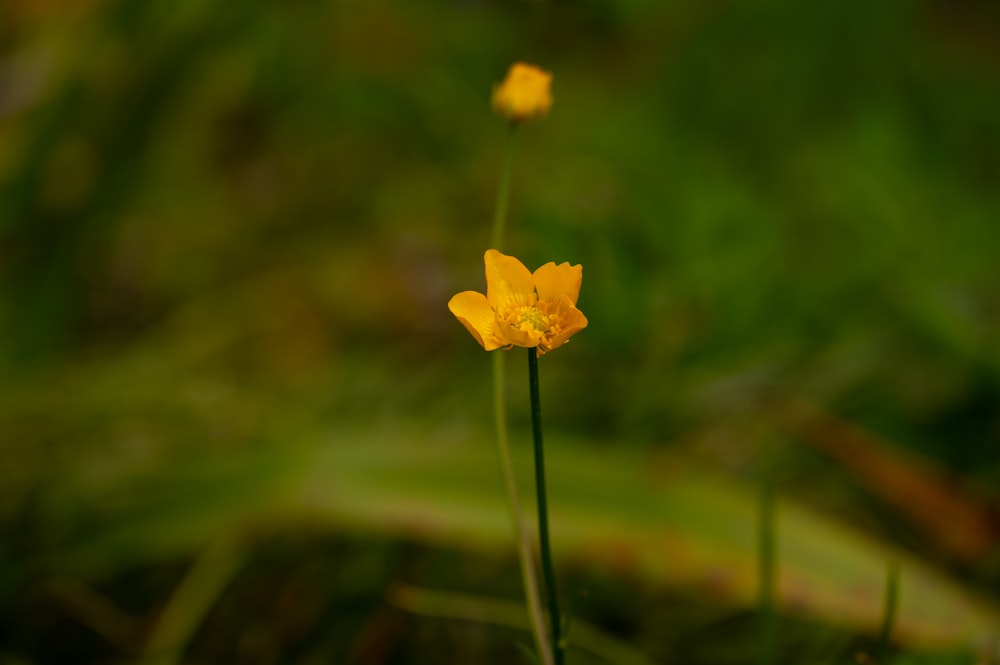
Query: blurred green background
228	234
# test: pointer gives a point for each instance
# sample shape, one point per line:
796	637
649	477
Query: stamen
533	318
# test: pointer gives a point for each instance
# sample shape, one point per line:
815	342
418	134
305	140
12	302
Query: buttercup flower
524	94
520	308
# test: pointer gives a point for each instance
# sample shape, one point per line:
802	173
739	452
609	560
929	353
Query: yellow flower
524	94
520	308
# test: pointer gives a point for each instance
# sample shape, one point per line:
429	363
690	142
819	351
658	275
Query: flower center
531	318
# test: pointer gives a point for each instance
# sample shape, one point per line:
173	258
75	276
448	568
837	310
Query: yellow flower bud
524	94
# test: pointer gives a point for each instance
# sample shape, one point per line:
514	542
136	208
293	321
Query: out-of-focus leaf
664	522
926	494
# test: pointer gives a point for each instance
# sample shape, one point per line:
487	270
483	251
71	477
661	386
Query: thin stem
192	600
555	617
503	193
766	543
889	612
466	607
528	576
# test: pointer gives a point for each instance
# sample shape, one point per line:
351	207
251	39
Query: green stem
465	607
767	564
503	193
555	617
192	600
889	612
528	576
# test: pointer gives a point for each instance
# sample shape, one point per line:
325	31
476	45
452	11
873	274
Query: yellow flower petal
554	281
525	93
475	313
526	337
508	282
571	322
535	311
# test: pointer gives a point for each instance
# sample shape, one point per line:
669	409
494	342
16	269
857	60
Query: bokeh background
236	415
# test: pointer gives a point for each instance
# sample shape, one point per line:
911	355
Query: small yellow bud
524	94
